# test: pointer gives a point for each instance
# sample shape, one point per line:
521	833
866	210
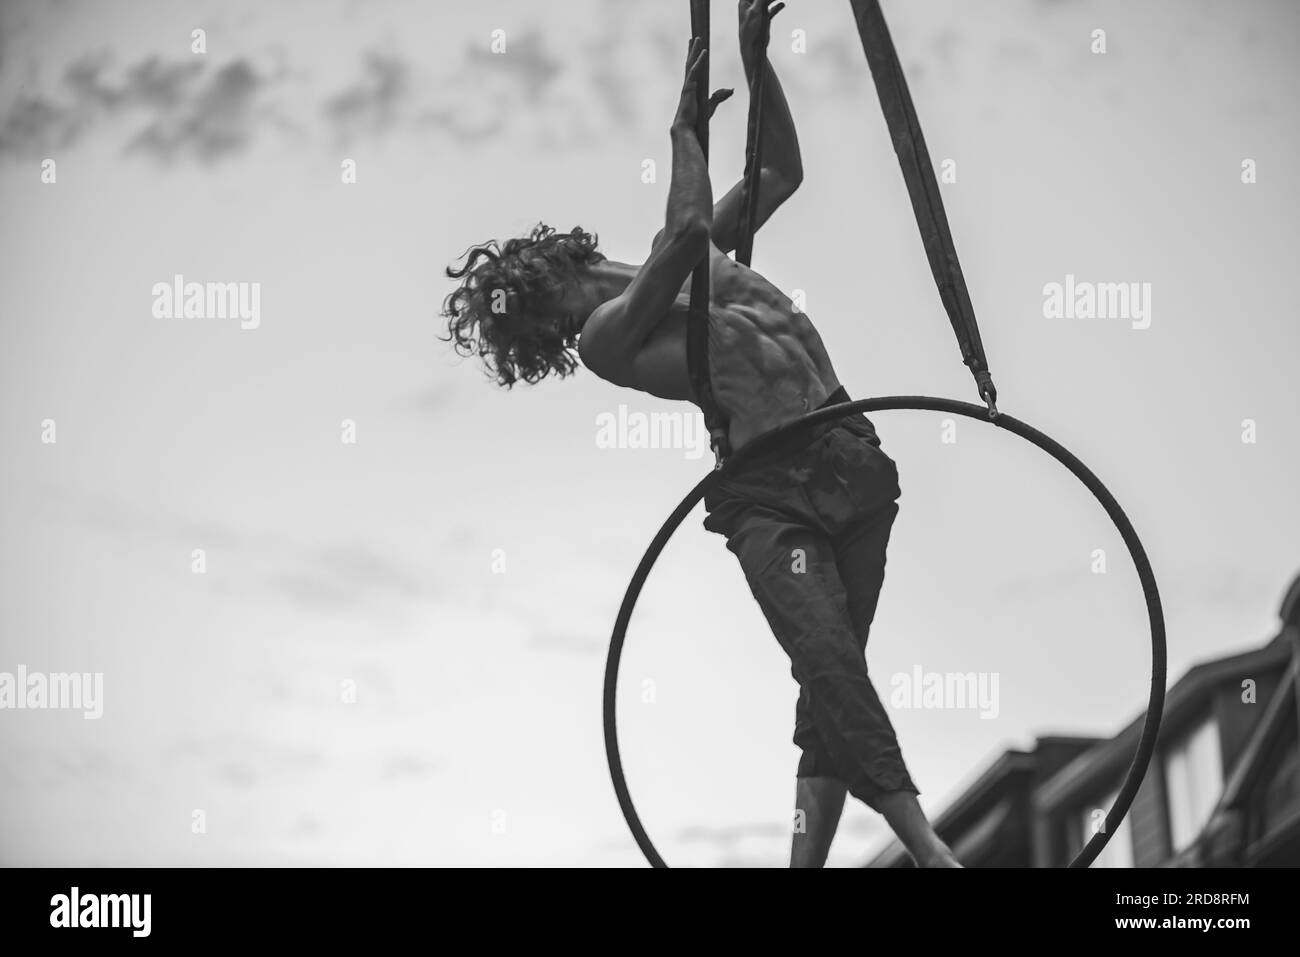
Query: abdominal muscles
767	363
768	366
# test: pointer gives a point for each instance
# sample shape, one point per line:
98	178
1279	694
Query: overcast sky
475	737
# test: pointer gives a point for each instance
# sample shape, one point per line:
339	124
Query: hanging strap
923	188
697	319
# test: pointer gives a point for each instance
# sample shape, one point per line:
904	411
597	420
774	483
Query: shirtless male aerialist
538	304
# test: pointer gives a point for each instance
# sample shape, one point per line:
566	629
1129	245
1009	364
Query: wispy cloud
36	126
220	119
528	69
314	576
151	83
177	110
371	104
172	110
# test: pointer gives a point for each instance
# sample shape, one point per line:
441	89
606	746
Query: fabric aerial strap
697	319
923	188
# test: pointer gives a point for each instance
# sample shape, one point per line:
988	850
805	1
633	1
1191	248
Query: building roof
1077	781
1074	766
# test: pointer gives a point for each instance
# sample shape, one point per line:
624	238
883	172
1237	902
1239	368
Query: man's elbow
690	237
787	181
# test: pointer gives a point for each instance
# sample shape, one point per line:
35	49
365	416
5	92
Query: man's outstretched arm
782	166
614	334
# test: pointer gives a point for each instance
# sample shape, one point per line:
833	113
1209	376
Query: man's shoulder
589	339
595	346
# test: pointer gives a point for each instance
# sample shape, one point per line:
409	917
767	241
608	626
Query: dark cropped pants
810	526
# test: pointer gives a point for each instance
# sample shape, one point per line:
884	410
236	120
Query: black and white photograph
581	435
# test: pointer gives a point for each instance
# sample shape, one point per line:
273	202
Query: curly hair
500	283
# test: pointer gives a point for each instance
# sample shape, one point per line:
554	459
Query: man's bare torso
767	362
